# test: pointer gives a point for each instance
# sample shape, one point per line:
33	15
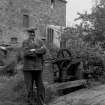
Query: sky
74	6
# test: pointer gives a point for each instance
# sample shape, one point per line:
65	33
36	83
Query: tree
95	23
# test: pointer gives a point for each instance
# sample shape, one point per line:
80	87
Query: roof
63	1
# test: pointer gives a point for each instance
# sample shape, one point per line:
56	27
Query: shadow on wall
18	38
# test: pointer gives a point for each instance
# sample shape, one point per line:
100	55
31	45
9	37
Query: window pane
50	35
25	20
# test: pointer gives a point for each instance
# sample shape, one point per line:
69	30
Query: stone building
18	15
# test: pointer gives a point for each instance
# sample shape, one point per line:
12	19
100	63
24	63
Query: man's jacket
33	60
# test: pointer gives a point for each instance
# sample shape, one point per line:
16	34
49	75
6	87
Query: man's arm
42	48
27	51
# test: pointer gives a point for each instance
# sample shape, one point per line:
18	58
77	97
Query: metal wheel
63	53
64	59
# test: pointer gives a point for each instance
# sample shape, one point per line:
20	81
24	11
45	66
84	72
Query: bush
93	60
12	90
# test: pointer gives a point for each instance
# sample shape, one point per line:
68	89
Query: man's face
31	35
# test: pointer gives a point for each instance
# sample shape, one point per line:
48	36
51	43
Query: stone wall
40	14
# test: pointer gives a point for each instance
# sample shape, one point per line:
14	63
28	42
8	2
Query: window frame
26	20
52	3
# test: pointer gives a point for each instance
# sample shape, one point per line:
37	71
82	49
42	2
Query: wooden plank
69	84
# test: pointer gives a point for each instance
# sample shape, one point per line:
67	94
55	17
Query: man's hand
33	50
3	48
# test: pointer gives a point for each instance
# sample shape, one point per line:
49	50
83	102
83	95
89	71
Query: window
1	32
52	3
50	35
14	40
26	20
63	44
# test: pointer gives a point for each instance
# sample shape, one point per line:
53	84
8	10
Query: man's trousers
29	78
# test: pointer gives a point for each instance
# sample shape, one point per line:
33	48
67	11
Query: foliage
93	57
93	46
94	23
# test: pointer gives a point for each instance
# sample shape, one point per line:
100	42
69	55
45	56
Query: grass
12	90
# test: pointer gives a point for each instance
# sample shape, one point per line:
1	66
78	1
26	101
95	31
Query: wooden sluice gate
66	72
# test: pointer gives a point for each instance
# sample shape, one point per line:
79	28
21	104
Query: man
34	50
